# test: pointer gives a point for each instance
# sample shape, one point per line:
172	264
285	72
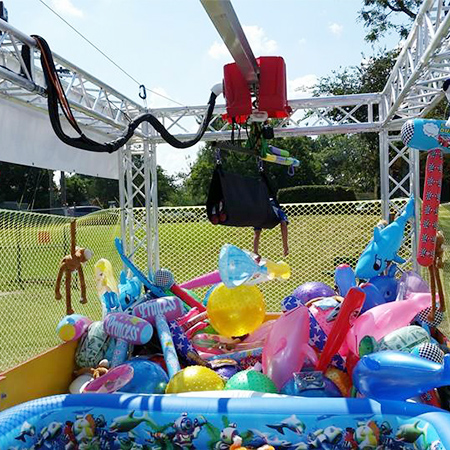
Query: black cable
56	96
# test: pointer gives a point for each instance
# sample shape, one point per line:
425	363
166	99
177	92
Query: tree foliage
383	16
25	185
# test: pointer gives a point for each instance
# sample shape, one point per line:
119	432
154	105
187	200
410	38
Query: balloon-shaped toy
384	246
287	346
398	376
383	319
344	278
195	378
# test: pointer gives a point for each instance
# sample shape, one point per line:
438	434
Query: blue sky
172	47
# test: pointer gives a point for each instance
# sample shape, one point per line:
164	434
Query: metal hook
291	171
142	92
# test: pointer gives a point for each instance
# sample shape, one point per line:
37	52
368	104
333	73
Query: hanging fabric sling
240	201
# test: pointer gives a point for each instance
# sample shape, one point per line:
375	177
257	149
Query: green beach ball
251	380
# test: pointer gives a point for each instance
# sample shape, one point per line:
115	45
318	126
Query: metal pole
154	198
384	173
122	205
415	189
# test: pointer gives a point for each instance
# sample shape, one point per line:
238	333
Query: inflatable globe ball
194	379
236	311
148	377
251	380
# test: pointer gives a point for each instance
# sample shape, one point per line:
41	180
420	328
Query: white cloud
301	87
256	36
67	7
336	29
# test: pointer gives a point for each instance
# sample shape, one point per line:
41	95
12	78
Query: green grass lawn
321	237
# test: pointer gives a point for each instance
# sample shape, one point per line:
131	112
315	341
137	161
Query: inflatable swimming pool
127	421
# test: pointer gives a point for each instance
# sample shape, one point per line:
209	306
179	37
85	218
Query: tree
382	16
354	160
25	185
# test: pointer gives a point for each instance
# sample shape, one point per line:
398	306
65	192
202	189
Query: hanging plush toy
69	264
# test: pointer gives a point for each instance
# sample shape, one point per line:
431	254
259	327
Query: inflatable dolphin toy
383	248
391	375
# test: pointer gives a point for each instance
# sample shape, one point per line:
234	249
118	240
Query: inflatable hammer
127	330
158	312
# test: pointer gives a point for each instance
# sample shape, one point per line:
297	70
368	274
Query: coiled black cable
56	97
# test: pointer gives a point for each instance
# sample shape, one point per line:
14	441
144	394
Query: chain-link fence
321	236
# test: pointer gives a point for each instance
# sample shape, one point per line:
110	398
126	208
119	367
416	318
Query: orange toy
69	264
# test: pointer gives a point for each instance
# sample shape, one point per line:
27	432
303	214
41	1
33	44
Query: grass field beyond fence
321	236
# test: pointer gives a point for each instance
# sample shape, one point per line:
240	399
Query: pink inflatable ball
321	310
313	289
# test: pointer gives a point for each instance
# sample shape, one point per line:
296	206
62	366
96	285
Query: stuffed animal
69	264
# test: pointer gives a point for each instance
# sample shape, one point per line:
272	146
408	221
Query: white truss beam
415	84
97	106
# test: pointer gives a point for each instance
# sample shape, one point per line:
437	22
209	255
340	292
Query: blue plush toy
383	248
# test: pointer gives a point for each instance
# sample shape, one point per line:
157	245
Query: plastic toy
287	346
226	367
384	246
237	267
195	378
164	279
106	285
387	284
373	297
350	309
72	327
430	208
398	376
323	310
148	377
344	278
69	264
312	384
312	289
251	380
130	289
158	312
111	382
127	330
202	281
383	319
403	339
426	134
411	282
237	311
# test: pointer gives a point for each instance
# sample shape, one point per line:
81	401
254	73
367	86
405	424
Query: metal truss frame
412	90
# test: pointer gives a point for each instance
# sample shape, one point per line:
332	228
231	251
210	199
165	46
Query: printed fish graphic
384	246
410	432
26	430
127	423
291	423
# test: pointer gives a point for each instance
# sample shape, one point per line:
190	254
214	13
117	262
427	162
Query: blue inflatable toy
383	248
148	377
398	376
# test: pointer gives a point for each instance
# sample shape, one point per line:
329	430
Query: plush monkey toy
69	264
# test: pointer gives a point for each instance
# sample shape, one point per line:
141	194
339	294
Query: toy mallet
158	312
350	308
127	330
